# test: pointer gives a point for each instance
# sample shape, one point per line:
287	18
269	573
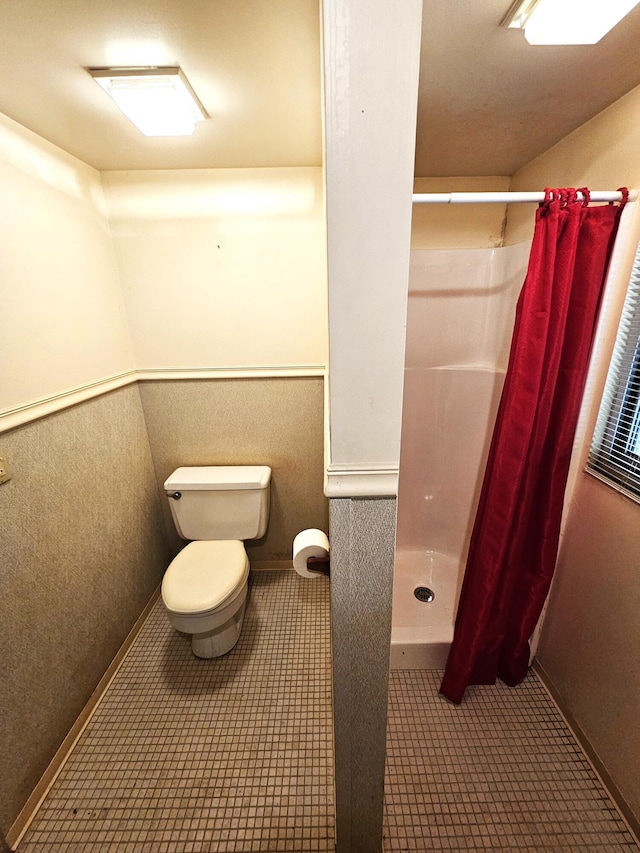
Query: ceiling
254	64
488	102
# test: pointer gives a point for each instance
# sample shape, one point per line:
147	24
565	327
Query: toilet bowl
204	589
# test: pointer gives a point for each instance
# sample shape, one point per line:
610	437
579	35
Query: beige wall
221	267
63	321
603	154
105	274
458	226
83	544
590	641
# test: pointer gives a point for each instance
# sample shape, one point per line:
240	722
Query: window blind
615	450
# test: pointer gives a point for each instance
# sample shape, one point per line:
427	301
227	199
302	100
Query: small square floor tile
499	772
230	754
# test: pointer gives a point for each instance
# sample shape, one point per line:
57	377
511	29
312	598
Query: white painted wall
63	323
222	267
206	268
370	117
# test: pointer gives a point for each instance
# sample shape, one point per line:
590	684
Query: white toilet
204	590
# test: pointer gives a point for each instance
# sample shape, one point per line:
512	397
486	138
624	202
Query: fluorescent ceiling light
567	21
159	101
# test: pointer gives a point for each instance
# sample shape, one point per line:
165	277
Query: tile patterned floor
185	755
191	756
500	772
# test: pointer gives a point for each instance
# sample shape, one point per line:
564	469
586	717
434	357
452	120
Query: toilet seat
204	576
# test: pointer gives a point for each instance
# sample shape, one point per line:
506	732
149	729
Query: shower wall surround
459	325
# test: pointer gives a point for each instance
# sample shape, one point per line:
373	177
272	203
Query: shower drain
423	593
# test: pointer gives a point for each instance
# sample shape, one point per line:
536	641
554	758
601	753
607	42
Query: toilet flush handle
176	496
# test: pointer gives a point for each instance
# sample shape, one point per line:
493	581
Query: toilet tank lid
218	478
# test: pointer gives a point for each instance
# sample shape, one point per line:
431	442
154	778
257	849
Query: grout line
30	809
236	751
622	807
506	766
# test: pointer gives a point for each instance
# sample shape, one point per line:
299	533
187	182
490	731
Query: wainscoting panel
362	551
274	421
83	549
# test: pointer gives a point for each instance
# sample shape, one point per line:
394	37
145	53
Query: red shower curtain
515	537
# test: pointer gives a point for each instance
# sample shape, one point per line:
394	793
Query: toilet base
219	641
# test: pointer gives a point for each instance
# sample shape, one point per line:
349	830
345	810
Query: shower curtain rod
508	198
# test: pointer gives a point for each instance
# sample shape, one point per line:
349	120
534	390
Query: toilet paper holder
320	564
311	553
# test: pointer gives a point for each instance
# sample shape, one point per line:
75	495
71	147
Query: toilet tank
220	502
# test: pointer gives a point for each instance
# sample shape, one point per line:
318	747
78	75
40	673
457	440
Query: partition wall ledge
35	409
361	481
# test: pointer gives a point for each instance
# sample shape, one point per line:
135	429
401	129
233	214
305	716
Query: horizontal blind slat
615	449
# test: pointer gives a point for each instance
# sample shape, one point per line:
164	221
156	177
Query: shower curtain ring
586	196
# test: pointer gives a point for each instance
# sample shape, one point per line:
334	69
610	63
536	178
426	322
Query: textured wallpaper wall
87	535
362	553
275	422
83	548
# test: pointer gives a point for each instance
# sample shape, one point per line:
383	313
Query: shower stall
460	318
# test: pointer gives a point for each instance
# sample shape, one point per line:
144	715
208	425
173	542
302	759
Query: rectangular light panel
567	21
159	101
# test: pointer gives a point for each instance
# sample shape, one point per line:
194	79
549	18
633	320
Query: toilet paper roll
309	543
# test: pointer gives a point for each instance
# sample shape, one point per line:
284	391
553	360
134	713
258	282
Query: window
615	451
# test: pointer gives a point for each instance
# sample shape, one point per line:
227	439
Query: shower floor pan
422	629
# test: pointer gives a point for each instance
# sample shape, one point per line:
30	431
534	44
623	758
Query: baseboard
626	813
270	565
28	812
